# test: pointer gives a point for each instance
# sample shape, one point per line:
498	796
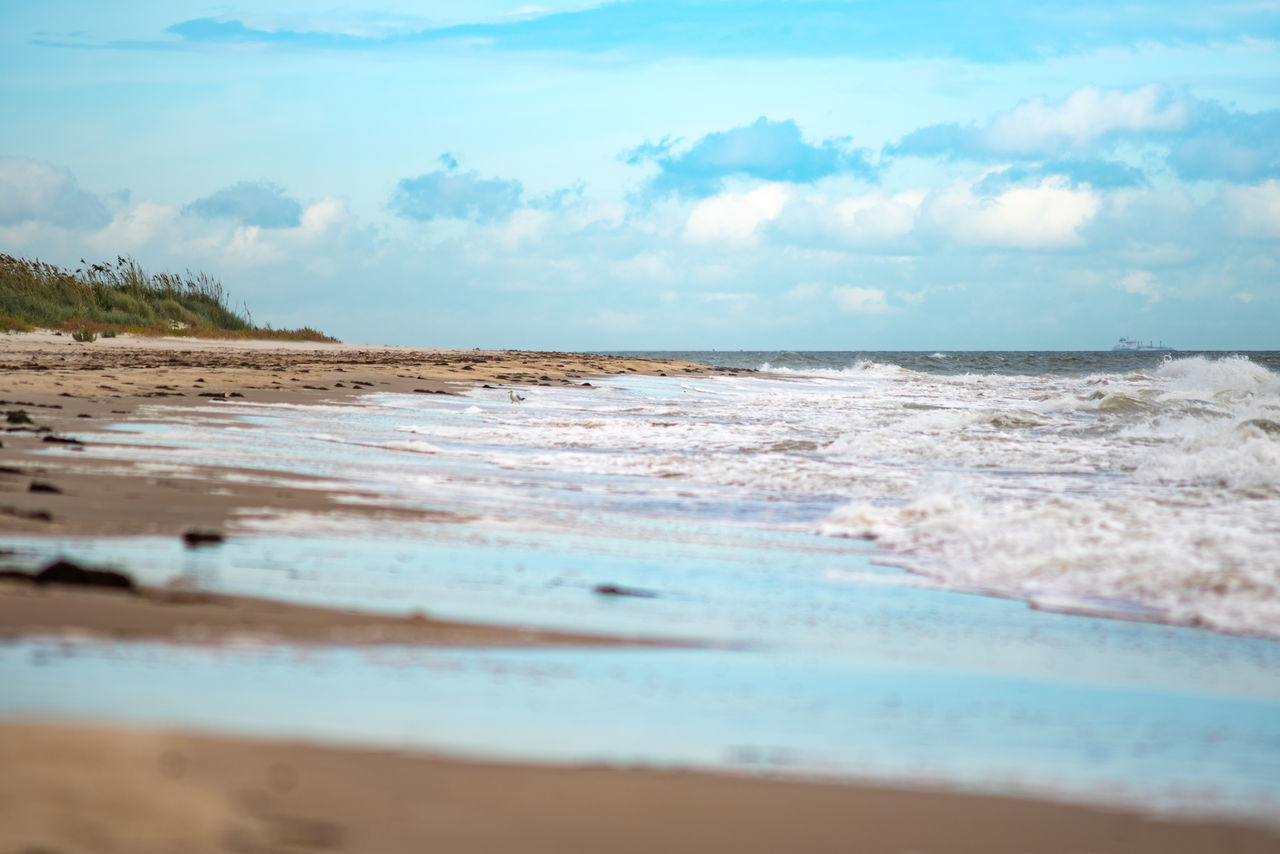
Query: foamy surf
1074	483
1148	491
1158	492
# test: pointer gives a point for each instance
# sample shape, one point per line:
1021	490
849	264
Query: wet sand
73	789
174	615
62	387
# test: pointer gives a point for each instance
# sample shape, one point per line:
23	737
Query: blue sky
658	175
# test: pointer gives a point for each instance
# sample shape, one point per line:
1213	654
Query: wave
861	369
1152	492
1191	565
1147	493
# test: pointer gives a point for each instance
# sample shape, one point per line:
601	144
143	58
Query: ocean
1145	485
1041	573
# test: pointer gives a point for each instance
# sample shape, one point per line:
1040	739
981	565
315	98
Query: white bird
515	398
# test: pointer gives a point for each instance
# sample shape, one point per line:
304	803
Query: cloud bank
764	150
31	191
1201	139
448	193
258	203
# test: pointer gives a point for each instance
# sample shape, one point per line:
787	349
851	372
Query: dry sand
67	789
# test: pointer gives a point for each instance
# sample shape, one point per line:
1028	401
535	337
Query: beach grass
108	299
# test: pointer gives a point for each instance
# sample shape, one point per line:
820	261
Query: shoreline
229	791
120	789
64	387
177	615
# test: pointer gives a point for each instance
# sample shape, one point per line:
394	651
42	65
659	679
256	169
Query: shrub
84	336
124	296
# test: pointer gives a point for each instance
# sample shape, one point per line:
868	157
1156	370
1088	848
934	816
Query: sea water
819	528
1145	485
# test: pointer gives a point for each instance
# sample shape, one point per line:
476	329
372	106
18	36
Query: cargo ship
1130	344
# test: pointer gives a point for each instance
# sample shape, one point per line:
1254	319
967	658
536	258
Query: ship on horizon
1134	345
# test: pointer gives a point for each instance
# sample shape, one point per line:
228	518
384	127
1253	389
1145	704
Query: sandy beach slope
60	386
71	789
86	788
51	386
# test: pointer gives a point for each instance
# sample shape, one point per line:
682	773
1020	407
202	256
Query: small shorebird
515	398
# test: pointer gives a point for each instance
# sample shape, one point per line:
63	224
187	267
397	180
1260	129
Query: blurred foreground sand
67	789
71	789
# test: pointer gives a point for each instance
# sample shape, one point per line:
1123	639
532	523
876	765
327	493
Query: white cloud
20	236
1086	114
1141	282
877	216
864	220
522	228
1243	297
802	291
728	297
325	215
135	227
251	245
734	217
1046	216
854	300
1256	208
325	230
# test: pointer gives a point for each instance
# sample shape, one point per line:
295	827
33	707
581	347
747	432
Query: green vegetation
108	299
84	336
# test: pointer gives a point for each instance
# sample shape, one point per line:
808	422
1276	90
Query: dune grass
107	299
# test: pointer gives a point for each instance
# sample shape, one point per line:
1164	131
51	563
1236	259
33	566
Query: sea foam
1155	487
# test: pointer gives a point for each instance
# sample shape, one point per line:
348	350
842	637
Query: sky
666	175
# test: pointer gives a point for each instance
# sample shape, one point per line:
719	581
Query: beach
63	385
492	581
180	792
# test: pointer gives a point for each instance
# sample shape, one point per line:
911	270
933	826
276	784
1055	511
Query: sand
73	789
64	386
85	788
175	615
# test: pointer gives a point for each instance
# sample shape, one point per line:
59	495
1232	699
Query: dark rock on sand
616	590
30	515
196	538
66	572
41	486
